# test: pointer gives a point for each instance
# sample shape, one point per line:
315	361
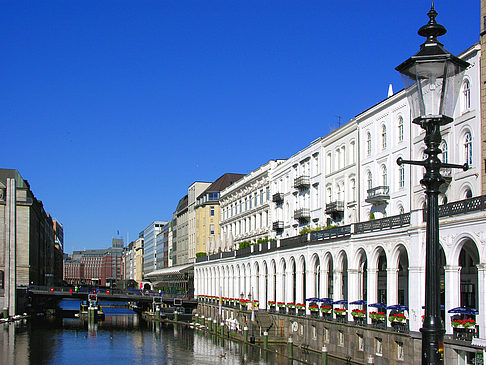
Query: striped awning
172	271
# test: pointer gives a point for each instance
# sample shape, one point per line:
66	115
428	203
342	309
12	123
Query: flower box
358	313
271	303
340	311
377	316
280	304
290	305
463	323
313	308
397	317
325	309
300	306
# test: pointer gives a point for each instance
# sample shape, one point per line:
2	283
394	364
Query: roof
13	174
222	182
182	203
173	270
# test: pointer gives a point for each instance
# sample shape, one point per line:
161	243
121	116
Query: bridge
44	298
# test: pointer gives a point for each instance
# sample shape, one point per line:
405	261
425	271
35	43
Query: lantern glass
432	85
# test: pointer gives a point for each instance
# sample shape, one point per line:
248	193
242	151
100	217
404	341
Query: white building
297	191
341	175
149	235
246	207
379	255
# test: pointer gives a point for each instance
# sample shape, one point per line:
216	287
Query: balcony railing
336	207
302	214
463	206
293	241
383	223
325	234
277	197
302	182
377	195
278	226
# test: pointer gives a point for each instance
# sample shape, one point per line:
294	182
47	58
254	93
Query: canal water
123	338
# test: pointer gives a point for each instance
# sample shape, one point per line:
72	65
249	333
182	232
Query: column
352	289
372	290
338	285
299	283
324	292
391	288
289	290
280	285
452	292
310	290
10	275
262	296
481	318
416	285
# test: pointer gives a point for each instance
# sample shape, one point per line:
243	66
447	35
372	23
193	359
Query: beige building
208	215
193	192
138	269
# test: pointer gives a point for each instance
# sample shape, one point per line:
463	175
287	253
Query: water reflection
124	339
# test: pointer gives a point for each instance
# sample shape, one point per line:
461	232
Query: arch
400	128
328	279
362	268
341	276
383	136
466	95
399	259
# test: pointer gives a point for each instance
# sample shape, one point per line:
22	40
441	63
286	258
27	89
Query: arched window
401	171
443	199
370	180
468	193
400	129
353	190
329	195
466	96
443	147
400	209
383	137
384	176
368	143
468	148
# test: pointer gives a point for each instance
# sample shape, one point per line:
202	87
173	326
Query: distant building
95	267
38	247
149	245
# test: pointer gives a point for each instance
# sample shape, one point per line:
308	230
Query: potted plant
340	314
301	308
359	316
281	307
377	316
397	317
314	309
291	307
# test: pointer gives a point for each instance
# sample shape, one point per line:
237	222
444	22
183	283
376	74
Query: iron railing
334	232
302	182
383	223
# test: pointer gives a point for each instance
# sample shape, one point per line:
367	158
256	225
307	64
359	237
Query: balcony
378	195
278	226
336	207
302	182
302	214
446	173
278	198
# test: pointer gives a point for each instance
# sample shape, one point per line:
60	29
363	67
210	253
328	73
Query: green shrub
244	244
200	254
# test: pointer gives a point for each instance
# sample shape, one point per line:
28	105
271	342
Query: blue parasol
398	307
326	300
464	310
359	302
312	300
343	301
378	305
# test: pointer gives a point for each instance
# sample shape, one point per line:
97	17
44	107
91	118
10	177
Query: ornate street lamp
432	79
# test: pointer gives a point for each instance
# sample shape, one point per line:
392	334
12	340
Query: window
212	211
368	143
400	129
401	210
443	147
383	137
468	148
261	196
268	194
211	229
360	342
469	194
353	190
340	338
328	163
384	176
378	346
400	352
213	196
466	96
401	170
370	180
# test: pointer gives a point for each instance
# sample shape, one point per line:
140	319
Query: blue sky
111	109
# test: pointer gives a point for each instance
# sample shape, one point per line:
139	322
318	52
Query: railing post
324	355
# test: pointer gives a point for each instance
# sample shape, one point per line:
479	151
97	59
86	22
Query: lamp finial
432	30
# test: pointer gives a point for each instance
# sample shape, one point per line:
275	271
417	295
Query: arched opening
284	281
362	275
343	272
468	261
255	290
316	274
381	277
403	276
330	279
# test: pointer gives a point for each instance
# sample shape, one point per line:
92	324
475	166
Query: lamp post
432	79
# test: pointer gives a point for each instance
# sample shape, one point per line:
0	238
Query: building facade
208	214
149	235
372	249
